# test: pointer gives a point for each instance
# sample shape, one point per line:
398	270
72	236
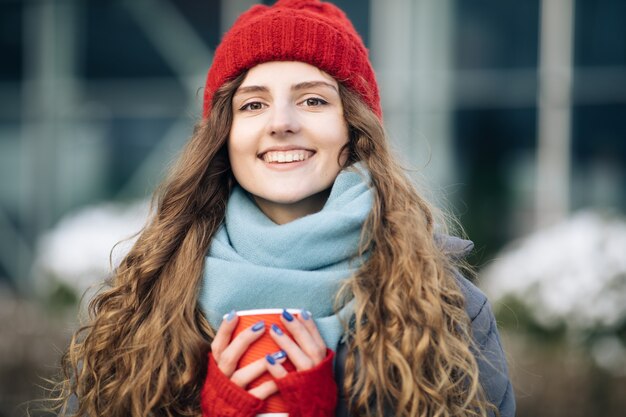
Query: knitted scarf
255	263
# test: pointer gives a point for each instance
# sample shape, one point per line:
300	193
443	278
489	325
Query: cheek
239	144
237	155
336	140
232	149
244	137
345	154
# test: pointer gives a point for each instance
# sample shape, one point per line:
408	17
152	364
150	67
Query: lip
286	166
284	149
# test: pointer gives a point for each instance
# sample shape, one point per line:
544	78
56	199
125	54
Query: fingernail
305	314
286	315
279	355
277	330
258	326
231	315
270	359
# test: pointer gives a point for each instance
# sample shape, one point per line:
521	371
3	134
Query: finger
297	356
298	331
306	318
274	366
303	338
264	390
279	357
232	353
224	334
243	376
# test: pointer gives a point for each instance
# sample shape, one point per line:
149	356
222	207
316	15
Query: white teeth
286	156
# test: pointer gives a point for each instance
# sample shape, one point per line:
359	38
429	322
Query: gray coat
494	375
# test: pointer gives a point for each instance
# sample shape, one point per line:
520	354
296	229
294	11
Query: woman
286	195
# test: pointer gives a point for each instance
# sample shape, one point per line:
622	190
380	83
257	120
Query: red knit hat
310	31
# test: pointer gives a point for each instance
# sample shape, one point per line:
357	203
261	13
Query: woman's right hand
227	353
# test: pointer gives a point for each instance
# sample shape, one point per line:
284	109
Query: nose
283	120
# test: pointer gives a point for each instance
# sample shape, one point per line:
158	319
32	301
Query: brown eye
314	101
254	105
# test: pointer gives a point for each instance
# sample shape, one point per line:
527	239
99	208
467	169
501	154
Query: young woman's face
287	132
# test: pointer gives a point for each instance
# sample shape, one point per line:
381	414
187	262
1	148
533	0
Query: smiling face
287	132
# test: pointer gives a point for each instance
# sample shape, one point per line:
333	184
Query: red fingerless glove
222	398
311	393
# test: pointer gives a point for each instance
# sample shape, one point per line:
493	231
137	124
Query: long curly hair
410	340
143	350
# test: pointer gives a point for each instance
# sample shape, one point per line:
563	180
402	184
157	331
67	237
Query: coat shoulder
487	345
487	348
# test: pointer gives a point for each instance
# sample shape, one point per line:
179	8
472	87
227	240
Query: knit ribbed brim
310	31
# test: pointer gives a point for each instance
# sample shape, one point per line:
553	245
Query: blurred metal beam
189	57
154	167
472	89
48	94
15	253
231	9
185	52
133	98
554	111
411	52
391	38
433	50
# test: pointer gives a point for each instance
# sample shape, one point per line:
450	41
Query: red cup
275	405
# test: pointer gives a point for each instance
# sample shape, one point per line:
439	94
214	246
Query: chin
290	197
286	200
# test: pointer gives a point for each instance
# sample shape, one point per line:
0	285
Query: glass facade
97	97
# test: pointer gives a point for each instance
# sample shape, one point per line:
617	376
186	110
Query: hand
227	354
312	390
305	348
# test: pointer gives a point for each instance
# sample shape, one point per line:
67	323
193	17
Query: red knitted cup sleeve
311	393
221	397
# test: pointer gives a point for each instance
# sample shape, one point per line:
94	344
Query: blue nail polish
258	326
286	315
277	330
231	315
305	314
279	355
270	359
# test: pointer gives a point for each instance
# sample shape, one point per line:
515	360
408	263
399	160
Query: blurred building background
510	112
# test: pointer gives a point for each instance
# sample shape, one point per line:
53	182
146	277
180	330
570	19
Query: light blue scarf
255	263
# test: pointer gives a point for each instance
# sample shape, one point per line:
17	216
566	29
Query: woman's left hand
305	348
310	391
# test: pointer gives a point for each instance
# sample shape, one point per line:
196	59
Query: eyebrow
311	84
300	86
